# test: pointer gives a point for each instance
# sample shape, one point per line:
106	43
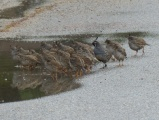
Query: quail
78	64
14	53
53	66
86	50
117	50
136	43
60	56
24	52
38	55
85	46
110	45
46	45
86	57
101	54
28	61
65	48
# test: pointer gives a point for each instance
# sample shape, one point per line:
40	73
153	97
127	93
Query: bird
84	49
117	50
78	64
28	61
100	53
14	53
86	57
85	46
46	45
110	45
61	57
24	52
53	66
38	55
137	43
120	54
65	47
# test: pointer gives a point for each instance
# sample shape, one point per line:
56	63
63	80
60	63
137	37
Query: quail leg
136	53
119	64
76	75
105	65
88	70
122	64
143	52
113	58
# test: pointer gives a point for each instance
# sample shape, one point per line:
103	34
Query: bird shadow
137	56
106	69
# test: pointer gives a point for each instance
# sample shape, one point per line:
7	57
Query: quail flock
75	58
59	59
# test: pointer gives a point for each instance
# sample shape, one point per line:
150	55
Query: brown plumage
34	53
53	66
116	49
78	64
111	45
120	54
28	61
136	43
61	56
86	57
86	50
85	46
66	48
46	45
24	52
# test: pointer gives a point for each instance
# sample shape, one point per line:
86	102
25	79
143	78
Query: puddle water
17	84
18	11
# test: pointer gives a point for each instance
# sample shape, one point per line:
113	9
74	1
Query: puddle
17	84
18	11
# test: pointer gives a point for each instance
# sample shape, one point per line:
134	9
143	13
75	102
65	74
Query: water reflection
65	84
17	84
26	79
